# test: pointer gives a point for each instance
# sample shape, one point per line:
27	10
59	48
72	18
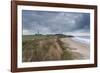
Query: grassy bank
44	48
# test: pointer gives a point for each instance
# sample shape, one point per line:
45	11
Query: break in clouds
50	22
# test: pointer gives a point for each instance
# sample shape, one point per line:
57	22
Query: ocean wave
82	40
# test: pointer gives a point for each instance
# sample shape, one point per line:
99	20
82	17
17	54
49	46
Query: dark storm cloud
54	22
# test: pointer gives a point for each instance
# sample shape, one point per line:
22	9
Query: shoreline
80	50
81	40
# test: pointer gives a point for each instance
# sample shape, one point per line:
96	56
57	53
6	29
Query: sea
82	39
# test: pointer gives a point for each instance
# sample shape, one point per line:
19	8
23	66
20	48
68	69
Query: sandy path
81	49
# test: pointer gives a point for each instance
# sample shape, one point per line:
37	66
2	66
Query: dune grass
44	49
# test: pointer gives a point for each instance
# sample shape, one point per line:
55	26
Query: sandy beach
78	49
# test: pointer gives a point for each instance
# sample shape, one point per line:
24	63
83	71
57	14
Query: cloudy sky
55	22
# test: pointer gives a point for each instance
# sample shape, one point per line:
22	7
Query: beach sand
78	49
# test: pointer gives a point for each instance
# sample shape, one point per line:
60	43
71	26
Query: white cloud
26	32
77	34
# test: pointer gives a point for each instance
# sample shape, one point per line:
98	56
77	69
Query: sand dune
54	48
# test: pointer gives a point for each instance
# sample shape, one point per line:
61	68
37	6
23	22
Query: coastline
79	50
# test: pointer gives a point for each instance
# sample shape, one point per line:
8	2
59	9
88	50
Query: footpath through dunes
45	49
79	50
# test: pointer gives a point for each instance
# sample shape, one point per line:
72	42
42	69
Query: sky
52	22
